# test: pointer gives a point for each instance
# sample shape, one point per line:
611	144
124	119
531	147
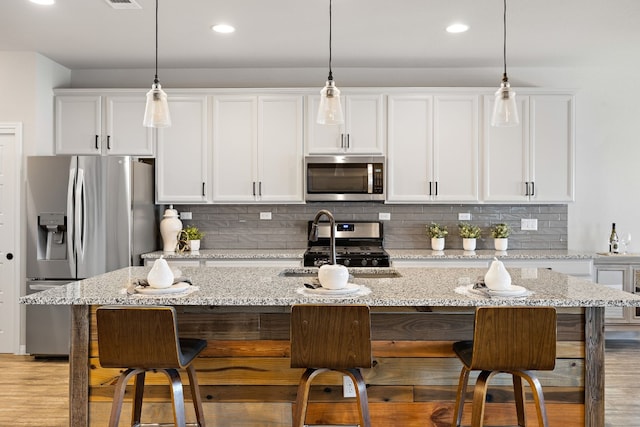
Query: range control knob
364	262
374	262
347	262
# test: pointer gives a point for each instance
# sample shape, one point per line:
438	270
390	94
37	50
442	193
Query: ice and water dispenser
52	236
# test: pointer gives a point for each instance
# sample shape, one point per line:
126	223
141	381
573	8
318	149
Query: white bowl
333	276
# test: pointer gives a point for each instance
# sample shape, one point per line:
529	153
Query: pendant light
330	110
156	113
505	110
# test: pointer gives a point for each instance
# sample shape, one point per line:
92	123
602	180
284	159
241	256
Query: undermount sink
359	273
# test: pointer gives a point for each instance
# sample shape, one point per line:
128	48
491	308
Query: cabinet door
552	148
181	166
280	145
323	139
234	149
506	156
364	117
615	278
410	147
455	148
125	134
78	124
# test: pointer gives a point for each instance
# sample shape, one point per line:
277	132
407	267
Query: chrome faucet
313	233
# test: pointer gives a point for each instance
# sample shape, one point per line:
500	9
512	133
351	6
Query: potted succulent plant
437	233
193	236
500	233
469	234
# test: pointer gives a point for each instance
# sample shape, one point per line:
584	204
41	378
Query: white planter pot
194	245
437	243
501	244
469	244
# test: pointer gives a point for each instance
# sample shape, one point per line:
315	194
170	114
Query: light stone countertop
267	286
396	254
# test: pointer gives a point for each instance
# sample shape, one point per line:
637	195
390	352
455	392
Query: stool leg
118	396
479	398
538	397
138	392
518	393
302	396
361	392
460	396
195	395
177	397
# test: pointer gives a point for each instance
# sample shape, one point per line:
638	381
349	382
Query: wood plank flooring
34	392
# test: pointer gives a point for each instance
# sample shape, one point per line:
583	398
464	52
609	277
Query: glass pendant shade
330	110
156	113
505	109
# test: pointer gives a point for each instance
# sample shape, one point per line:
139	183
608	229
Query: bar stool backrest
330	336
514	338
143	337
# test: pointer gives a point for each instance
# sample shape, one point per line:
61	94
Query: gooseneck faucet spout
313	233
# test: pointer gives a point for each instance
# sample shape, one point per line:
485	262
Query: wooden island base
245	379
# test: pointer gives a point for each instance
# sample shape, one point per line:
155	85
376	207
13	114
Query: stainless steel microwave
336	178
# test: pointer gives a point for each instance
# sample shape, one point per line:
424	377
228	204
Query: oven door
344	178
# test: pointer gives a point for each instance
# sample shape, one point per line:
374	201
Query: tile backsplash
240	226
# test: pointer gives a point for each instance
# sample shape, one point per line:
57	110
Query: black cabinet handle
526	188
254	188
203	193
97	146
348	141
9	256
342	140
108	142
260	188
430	192
533	188
436	188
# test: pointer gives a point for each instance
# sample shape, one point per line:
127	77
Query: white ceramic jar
170	228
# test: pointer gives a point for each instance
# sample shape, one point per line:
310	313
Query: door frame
18	310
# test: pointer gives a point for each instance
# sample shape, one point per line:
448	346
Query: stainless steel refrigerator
86	215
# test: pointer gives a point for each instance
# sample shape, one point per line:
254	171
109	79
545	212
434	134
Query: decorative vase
501	244
469	244
333	276
437	243
170	228
194	245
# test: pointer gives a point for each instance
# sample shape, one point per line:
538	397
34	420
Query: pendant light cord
504	41
155	80
330	72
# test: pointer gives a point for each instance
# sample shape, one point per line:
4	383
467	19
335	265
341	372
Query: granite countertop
269	286
396	254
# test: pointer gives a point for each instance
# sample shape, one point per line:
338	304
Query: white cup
333	276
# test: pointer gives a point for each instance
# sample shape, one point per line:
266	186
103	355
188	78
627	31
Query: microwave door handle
370	178
71	211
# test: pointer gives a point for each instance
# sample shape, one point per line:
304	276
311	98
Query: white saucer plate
512	291
173	289
349	289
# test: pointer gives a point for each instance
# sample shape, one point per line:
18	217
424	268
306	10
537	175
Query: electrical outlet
348	388
185	215
464	216
529	224
384	216
265	215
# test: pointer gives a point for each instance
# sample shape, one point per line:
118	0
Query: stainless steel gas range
358	244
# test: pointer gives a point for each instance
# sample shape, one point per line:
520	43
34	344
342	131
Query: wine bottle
613	240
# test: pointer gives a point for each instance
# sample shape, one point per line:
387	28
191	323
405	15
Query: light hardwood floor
34	392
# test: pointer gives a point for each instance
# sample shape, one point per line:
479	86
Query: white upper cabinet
257	148
362	132
432	148
102	125
181	164
534	161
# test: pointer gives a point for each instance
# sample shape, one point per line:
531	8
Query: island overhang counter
416	314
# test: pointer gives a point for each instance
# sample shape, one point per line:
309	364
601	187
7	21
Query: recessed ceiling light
457	28
223	28
43	2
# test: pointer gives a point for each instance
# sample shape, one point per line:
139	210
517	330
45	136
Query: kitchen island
416	314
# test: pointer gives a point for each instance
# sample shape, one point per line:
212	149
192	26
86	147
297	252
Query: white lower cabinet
432	148
181	164
258	149
623	277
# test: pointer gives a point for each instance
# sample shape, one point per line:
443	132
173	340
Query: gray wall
240	227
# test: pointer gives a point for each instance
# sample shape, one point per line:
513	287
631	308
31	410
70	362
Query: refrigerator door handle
71	231
81	208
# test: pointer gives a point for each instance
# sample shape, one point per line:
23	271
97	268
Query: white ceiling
89	34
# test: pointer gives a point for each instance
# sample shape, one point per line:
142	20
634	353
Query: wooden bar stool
143	338
331	337
514	340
